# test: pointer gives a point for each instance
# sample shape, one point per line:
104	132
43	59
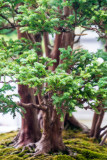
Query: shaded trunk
55	52
30	131
51	139
96	125
95	119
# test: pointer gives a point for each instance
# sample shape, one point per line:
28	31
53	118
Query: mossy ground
83	148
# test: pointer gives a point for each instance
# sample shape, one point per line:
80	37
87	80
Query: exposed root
31	147
85	129
14	141
42	147
104	135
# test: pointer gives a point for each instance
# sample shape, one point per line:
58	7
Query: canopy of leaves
68	89
74	81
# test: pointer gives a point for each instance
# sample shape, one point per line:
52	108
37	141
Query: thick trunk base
30	129
46	145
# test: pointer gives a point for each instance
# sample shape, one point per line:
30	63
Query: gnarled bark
30	131
51	139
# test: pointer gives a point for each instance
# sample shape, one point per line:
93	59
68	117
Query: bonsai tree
53	87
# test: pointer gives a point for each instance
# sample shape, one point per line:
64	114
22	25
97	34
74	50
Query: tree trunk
55	52
51	139
46	43
68	40
95	119
30	128
98	125
30	131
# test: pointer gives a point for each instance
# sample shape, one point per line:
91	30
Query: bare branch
103	128
81	34
104	139
11	81
87	107
10	27
96	30
4	17
103	134
31	105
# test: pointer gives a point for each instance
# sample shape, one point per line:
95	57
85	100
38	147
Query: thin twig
11	81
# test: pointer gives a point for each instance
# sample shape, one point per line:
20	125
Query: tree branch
103	128
10	27
96	30
4	17
81	34
105	137
31	105
11	81
103	134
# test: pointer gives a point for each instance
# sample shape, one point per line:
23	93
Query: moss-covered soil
83	148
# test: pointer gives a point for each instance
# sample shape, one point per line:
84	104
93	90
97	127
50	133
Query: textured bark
55	52
98	125
30	131
51	139
68	37
30	128
95	119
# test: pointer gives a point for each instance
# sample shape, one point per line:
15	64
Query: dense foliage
85	72
70	89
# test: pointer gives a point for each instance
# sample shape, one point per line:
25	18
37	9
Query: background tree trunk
97	119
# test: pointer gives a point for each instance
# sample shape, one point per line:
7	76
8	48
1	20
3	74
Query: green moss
80	157
84	148
63	157
13	157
